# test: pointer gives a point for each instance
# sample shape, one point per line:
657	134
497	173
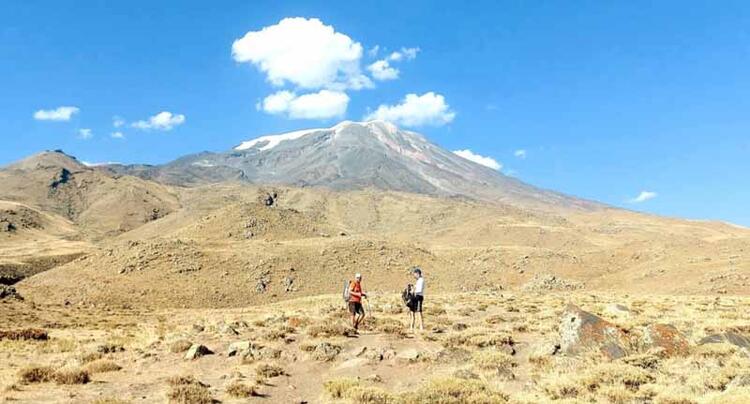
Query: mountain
100	202
355	155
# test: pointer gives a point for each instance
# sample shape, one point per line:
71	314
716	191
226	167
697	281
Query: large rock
238	347
736	339
196	351
666	338
582	331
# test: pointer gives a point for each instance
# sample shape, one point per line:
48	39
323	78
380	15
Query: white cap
358	275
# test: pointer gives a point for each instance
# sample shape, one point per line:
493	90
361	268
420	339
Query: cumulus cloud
643	197
85	134
164	121
324	104
520	153
117	122
58	114
382	70
416	110
304	52
479	159
117	135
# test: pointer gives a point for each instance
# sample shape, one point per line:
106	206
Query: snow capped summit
355	155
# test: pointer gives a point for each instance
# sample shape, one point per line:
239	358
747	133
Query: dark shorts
356	308
416	304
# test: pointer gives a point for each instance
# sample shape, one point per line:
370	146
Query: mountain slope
98	202
356	155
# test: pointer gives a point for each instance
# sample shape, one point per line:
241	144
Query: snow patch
272	141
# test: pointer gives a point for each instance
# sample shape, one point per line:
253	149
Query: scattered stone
198	328
581	330
326	352
288	284
459	326
465	374
228	329
408	355
9	292
617	310
733	338
374	378
547	282
666	338
196	351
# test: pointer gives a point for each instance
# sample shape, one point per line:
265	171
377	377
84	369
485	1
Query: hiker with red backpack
355	295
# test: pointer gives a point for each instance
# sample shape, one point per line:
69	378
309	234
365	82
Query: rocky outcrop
733	338
666	338
583	331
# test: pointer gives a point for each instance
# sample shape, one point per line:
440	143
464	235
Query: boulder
582	331
9	292
196	351
666	338
238	347
736	339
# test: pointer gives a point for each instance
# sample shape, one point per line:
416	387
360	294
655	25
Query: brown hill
226	248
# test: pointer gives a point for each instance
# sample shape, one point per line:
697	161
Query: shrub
338	388
36	374
240	390
329	329
496	362
102	366
27	334
267	370
188	390
72	376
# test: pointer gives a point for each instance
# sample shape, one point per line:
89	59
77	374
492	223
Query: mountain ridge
355	155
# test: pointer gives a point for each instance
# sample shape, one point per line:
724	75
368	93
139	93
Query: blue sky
608	99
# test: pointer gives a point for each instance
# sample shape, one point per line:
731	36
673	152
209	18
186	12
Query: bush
102	366
496	362
338	388
188	390
36	374
267	370
240	390
27	334
72	376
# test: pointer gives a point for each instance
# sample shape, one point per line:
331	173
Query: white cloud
373	52
483	160
57	114
408	53
304	52
85	134
382	70
520	153
164	120
643	197
321	105
416	110
117	135
117	122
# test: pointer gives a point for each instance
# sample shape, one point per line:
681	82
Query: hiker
355	301
415	308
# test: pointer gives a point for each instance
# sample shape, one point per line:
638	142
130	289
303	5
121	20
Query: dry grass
494	362
36	374
268	370
188	390
26	334
102	366
241	390
72	376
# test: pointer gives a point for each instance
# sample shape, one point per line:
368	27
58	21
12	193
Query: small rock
617	310
196	351
408	355
374	378
198	328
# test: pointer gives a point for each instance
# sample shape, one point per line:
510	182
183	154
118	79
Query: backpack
347	286
408	296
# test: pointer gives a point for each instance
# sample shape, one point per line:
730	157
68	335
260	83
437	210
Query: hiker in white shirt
416	308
